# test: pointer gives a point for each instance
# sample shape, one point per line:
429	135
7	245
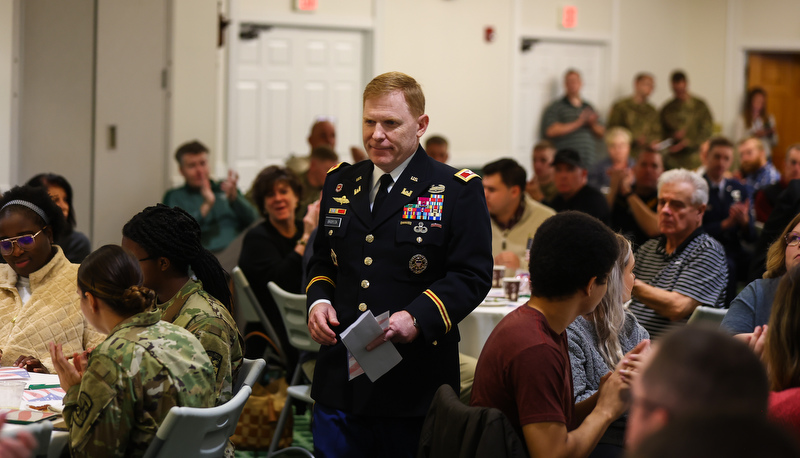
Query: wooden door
779	75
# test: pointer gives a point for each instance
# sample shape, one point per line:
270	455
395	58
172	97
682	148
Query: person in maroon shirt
524	368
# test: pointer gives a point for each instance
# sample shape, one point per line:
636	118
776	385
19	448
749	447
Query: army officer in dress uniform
400	233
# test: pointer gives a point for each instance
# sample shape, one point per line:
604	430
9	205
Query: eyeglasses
25	242
792	239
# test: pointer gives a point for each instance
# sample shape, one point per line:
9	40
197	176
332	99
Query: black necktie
383	191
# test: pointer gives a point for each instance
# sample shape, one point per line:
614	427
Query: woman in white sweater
38	303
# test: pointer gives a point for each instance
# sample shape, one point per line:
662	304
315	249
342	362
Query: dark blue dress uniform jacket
437	270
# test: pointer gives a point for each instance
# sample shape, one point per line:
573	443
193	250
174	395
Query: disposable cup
11	393
497	276
511	288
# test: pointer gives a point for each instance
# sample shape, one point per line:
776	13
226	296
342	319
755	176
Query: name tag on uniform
332	221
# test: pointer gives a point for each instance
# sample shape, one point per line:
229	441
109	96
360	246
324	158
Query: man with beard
755	171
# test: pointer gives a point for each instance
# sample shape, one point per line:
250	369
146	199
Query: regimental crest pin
418	263
339	187
342	200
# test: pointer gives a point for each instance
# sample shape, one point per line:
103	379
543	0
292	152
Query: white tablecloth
58	439
477	326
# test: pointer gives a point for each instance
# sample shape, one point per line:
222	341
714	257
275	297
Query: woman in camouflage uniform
117	399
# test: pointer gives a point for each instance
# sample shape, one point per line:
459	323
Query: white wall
466	80
194	81
6	90
55	115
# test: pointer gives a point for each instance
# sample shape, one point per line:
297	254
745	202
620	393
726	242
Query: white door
541	81
282	81
131	103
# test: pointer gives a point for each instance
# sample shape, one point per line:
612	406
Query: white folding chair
707	316
191	432
247	301
249	372
41	431
293	312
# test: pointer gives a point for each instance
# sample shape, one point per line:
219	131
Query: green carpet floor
301	436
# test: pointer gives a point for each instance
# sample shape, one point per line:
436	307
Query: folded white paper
358	335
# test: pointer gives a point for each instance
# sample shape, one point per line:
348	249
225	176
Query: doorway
285	78
542	66
779	75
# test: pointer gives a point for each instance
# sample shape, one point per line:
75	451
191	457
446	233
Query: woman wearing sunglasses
38	303
751	308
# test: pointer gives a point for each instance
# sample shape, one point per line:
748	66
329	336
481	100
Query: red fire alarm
488	34
569	17
306	5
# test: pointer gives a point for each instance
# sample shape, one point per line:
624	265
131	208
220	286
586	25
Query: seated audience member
220	209
683	268
598	340
166	241
703	436
117	399
755	171
524	369
618	162
542	185
767	197
786	208
782	353
573	192
633	212
694	371
752	306
436	147
638	115
321	160
274	249
75	244
515	216
727	215
37	284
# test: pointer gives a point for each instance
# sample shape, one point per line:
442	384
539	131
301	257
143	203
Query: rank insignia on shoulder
335	167
436	189
339	187
466	174
342	200
337	211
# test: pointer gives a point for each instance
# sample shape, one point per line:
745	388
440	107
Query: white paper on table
358	335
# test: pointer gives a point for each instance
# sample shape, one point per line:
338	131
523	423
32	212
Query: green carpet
301	436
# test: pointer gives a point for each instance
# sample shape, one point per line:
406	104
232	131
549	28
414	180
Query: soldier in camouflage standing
638	115
117	399
687	120
166	241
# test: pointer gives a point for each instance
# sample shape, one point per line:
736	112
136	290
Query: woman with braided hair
37	299
117	399
166	241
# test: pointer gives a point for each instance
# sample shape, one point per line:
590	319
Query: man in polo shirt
573	192
515	215
683	268
571	122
